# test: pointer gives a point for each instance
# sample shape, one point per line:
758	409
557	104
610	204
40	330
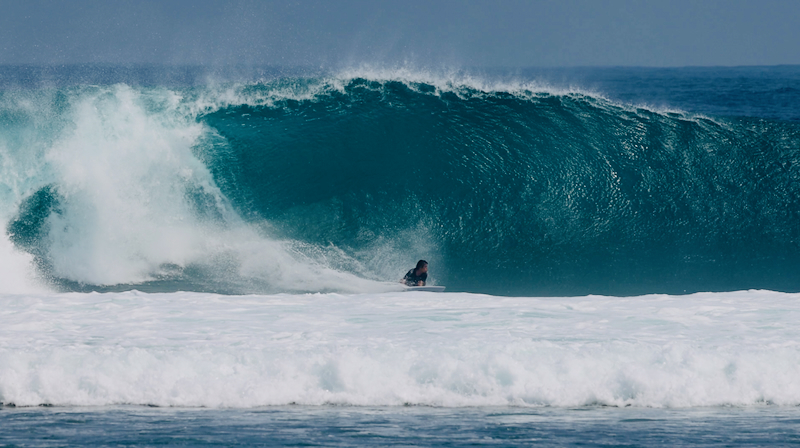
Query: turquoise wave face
523	192
274	186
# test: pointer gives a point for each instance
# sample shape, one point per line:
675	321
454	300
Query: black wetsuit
412	278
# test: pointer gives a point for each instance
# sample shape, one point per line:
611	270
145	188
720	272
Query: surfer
417	276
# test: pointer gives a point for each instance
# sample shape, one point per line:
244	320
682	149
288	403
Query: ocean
210	257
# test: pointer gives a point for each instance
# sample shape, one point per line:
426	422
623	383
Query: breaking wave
341	183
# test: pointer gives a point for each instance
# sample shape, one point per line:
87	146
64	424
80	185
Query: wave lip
450	349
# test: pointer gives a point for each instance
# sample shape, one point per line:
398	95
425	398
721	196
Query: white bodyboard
425	288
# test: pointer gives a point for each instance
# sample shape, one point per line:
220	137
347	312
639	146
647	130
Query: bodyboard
425	288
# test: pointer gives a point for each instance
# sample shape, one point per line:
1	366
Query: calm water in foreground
400	426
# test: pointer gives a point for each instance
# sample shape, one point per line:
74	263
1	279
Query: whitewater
111	193
400	349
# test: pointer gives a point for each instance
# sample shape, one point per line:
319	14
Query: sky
501	33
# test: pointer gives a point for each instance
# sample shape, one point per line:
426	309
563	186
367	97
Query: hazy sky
424	33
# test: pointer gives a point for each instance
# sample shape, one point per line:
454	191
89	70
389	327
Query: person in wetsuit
417	276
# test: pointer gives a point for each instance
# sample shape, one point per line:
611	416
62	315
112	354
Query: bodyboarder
417	276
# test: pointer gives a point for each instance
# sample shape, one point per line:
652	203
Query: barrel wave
340	183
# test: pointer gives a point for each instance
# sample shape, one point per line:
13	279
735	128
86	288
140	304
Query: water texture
347	426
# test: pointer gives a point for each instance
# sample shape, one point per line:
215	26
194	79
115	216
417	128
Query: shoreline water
353	426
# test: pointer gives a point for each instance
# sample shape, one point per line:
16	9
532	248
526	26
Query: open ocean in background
198	257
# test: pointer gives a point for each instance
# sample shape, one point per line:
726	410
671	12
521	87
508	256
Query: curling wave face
335	183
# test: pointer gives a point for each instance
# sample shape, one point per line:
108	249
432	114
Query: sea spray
116	196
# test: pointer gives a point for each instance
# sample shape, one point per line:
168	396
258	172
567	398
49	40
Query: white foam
17	273
124	169
122	173
182	349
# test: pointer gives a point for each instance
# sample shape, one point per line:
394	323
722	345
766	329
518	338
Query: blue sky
507	33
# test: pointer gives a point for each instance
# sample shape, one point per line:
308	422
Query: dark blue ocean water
764	92
404	426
